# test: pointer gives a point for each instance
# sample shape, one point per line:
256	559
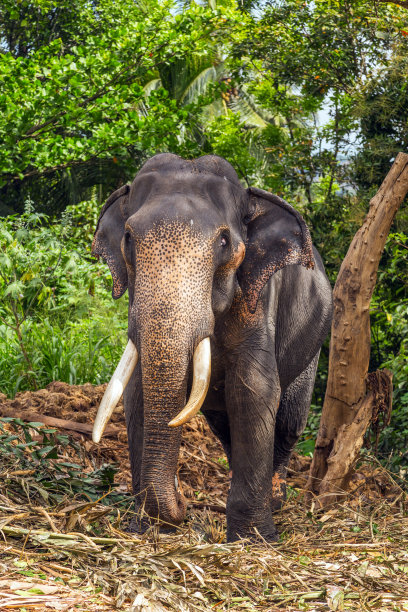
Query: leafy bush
389	320
56	321
51	466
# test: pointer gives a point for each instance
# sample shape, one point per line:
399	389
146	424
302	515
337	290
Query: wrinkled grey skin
175	238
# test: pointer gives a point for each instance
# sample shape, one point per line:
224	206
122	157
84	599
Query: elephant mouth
124	370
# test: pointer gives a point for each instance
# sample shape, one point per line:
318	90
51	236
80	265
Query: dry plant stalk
348	408
351	557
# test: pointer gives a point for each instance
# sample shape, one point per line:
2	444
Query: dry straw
72	554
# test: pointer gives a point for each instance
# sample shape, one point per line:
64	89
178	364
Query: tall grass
75	352
57	317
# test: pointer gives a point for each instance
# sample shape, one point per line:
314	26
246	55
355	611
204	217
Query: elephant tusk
115	389
201	382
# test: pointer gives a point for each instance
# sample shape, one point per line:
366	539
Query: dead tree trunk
348	405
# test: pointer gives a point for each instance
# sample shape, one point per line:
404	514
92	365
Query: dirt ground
76	555
203	469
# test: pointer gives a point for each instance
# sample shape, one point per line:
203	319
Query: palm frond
181	73
250	112
152	85
198	85
217	108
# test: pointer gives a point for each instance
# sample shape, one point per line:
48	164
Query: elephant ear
277	237
108	236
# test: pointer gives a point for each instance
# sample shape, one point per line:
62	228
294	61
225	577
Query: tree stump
349	404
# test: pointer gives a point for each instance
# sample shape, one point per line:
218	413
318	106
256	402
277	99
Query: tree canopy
75	79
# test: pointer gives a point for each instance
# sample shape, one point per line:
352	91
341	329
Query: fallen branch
35	417
207	506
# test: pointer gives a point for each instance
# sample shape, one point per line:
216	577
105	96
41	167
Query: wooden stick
208	506
35	417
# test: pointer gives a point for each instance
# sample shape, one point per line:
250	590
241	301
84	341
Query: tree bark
348	408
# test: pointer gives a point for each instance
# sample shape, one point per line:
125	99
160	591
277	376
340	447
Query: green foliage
382	107
31	253
75	352
229	139
55	315
52	466
389	321
73	95
345	62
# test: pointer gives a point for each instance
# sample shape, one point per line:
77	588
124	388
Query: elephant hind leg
219	425
290	422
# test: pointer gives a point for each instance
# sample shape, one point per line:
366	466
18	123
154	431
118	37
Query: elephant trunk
172	313
165	368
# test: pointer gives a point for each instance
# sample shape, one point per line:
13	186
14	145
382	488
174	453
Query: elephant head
186	240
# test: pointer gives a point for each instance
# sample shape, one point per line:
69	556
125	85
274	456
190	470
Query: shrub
57	320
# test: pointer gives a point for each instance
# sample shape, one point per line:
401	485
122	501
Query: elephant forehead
174	267
176	258
173	241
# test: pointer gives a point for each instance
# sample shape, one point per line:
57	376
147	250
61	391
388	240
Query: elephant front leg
252	395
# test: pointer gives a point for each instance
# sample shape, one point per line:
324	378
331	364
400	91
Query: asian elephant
217	313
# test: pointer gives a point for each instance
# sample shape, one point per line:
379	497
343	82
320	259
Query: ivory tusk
115	389
201	381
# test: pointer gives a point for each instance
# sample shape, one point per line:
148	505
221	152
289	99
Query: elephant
229	305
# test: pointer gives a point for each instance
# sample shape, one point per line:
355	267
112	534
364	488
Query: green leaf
29	592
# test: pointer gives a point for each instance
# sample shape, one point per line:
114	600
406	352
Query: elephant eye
224	240
127	247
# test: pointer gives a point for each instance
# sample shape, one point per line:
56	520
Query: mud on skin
202	257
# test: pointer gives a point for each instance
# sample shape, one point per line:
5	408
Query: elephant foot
256	530
141	525
252	533
141	522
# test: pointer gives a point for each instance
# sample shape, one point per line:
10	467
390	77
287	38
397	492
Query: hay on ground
64	548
